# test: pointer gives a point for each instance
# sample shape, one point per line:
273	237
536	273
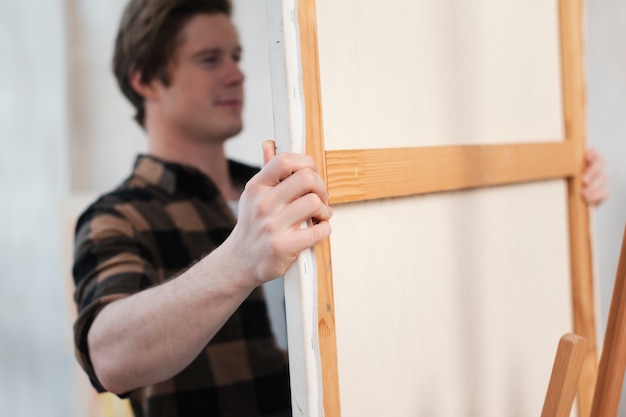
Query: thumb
269	151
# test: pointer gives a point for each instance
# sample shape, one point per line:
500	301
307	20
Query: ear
146	90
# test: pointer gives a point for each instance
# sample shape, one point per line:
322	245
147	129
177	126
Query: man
167	282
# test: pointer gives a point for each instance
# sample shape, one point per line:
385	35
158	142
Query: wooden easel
613	359
570	356
563	384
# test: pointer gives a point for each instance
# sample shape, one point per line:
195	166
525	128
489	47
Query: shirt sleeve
110	263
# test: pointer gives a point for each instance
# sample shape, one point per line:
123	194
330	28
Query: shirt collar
170	176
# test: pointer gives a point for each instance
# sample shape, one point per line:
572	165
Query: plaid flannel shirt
157	223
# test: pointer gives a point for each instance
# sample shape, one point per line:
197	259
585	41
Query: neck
208	156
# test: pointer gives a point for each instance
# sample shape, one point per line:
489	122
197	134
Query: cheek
201	92
192	96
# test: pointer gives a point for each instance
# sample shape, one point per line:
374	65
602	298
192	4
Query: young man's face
205	97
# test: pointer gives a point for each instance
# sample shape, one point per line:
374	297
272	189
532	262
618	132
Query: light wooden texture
563	384
573	80
613	359
366	174
315	147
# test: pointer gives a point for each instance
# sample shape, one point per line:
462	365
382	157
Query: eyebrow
211	51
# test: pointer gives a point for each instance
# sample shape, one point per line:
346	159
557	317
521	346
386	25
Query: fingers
286	193
596	197
307	238
594	178
595	190
298	198
300	183
282	166
303	209
591	154
594	166
285	179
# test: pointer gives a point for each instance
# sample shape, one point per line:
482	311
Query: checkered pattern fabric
155	224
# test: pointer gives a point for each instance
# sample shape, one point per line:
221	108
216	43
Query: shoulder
108	203
114	212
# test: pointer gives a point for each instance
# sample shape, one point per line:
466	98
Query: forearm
151	336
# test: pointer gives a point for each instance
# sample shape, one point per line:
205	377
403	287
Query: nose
234	74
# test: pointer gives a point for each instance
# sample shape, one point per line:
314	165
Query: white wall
35	359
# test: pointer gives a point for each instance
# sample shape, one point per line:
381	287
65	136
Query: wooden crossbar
366	174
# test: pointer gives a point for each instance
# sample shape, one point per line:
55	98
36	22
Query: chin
222	128
234	130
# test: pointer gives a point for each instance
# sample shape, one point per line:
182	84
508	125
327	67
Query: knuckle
261	209
313	202
268	228
251	187
277	248
308	178
283	159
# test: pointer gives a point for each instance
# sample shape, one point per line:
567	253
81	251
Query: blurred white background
66	135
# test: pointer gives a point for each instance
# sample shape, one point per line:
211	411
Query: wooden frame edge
582	283
307	22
